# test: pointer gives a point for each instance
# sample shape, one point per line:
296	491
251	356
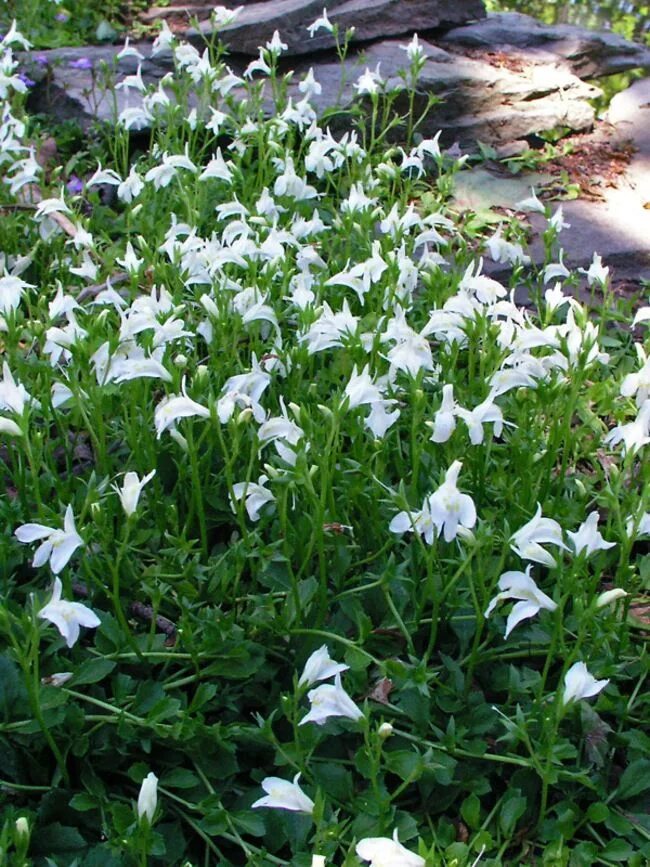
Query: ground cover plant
320	546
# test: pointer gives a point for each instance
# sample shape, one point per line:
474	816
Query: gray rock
478	101
588	53
371	20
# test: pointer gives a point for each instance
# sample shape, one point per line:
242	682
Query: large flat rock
378	19
588	53
479	101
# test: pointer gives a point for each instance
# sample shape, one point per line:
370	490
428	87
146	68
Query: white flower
283	795
164	40
449	508
67	616
174	407
519	585
148	797
256	496
222	16
14	37
330	700
369	82
637	384
641	315
486	411
130	188
320	666
321	23
505	251
13	396
361	389
414	50
444	421
635	434
380	419
531	204
419	522
557	220
57	546
276	46
131	263
387	852
597	272
12	289
587	539
527	541
556	270
579	684
642	525
131	489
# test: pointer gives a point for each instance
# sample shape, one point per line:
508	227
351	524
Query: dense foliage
281	467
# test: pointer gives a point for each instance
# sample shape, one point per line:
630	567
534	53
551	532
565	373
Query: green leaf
93	670
56	839
179	778
406	764
598	812
83	802
470	810
250	823
333	779
512	809
635	779
12	691
617	850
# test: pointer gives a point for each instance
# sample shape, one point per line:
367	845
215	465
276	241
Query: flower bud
245	416
272	472
179	439
200	373
318	861
610	596
148	797
57	679
180	360
22	827
385	730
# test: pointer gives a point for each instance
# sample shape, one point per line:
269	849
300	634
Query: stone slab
371	20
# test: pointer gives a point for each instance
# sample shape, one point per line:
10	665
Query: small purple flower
81	63
41	59
26	80
62	17
75	185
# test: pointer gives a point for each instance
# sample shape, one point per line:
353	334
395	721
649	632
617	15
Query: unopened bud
180	360
318	861
327	412
385	730
179	439
610	596
245	416
22	827
57	679
200	373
